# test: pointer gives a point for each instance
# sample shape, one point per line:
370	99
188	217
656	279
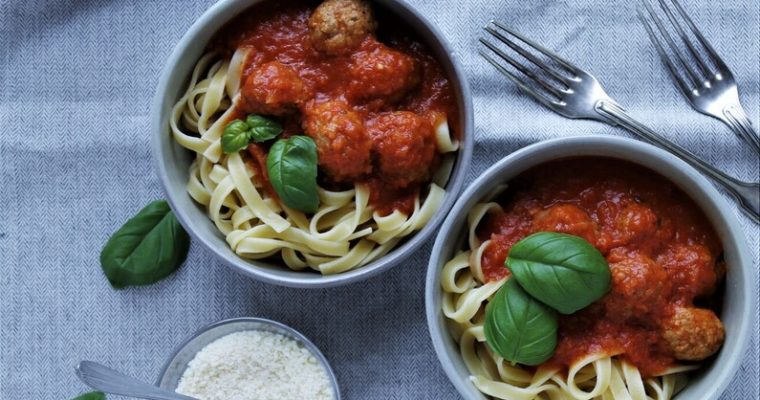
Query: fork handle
746	194
737	119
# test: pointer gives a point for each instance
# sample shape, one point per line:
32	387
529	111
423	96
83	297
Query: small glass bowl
177	363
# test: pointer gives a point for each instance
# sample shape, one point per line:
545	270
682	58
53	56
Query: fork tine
554	56
521	68
526	54
663	55
685	66
519	82
685	39
717	61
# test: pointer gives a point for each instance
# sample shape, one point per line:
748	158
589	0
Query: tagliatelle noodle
345	232
597	376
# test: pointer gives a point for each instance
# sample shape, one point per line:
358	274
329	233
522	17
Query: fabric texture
76	83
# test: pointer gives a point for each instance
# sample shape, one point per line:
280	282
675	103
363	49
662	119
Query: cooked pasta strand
345	233
595	377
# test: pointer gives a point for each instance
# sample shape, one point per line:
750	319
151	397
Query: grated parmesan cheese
255	365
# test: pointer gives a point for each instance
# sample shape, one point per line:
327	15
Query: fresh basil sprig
237	134
91	396
518	327
292	167
262	128
146	249
563	271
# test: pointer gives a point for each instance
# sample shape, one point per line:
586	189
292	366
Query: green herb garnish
262	129
146	249
518	327
237	134
292	167
91	396
550	271
563	271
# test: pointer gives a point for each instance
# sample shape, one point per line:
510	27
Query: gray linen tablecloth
76	81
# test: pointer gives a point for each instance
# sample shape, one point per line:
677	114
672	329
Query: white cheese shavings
255	365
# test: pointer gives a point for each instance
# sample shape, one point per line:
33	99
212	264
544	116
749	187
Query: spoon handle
100	377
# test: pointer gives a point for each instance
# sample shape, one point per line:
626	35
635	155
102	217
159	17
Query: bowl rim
282	275
732	234
298	336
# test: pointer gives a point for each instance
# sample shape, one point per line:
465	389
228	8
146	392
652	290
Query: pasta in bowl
323	144
571	270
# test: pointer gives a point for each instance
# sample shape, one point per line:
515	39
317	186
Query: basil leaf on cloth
91	396
146	249
563	271
292	167
518	327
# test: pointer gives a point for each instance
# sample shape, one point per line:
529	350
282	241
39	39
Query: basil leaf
146	249
563	271
91	396
235	136
518	327
262	129
292	167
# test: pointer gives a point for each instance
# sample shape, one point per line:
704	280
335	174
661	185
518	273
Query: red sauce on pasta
354	97
663	253
386	200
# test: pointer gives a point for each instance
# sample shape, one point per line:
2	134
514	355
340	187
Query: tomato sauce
278	32
258	163
386	200
662	252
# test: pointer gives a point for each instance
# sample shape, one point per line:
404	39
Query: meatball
343	146
635	221
692	270
403	146
377	71
566	218
339	26
638	287
693	334
274	89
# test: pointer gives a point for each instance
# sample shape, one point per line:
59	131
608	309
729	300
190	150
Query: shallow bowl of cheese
249	358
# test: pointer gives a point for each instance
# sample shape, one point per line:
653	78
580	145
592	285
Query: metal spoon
100	377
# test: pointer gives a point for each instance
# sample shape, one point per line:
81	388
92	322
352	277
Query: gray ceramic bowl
177	363
173	161
739	301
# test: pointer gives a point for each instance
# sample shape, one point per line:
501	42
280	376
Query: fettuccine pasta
600	376
640	339
346	231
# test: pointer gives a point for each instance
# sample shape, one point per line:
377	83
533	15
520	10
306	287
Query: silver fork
574	93
710	88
